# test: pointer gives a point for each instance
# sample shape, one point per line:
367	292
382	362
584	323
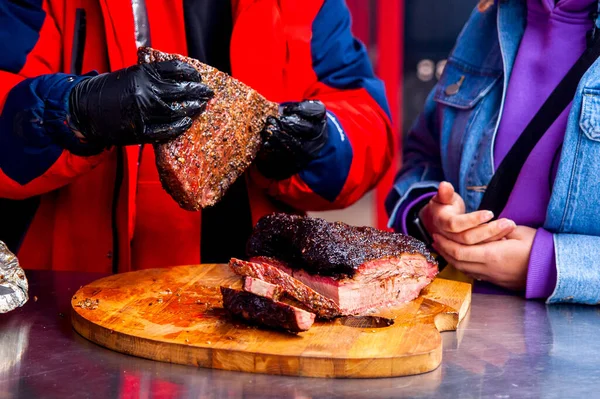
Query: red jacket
287	50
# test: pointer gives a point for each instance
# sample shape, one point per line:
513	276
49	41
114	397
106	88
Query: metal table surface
505	348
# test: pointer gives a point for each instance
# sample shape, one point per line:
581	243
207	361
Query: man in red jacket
78	184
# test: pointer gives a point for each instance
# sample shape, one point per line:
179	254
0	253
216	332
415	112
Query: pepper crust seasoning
88	303
198	167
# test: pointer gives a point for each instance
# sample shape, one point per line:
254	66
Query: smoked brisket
198	167
358	269
270	271
262	288
328	249
267	312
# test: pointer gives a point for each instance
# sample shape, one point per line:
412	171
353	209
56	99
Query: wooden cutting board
174	315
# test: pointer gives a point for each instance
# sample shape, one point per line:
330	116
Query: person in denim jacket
507	60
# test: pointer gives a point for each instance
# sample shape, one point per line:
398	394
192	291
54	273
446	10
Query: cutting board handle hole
366	321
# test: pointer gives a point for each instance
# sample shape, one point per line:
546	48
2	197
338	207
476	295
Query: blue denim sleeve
422	165
577	269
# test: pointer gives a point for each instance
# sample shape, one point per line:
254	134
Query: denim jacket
453	140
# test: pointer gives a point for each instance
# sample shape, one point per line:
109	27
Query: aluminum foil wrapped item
13	283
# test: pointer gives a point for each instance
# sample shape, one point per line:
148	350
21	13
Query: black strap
500	187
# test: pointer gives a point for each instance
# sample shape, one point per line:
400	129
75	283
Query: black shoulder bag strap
502	183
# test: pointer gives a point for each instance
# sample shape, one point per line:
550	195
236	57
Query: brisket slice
360	269
329	249
385	283
265	311
198	167
262	288
272	272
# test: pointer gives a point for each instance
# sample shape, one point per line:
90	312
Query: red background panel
385	19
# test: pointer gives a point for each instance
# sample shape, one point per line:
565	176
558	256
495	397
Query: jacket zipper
78	47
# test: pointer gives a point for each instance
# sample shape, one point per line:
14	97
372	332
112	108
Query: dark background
430	30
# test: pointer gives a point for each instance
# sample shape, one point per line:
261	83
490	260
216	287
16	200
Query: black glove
140	104
294	139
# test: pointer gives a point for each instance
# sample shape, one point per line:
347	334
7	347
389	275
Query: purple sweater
555	37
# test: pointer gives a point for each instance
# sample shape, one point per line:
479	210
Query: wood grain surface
174	315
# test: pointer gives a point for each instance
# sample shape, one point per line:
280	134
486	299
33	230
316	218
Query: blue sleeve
34	119
577	269
34	127
22	20
338	58
327	173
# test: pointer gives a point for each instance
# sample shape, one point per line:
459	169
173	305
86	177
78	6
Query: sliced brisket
273	272
262	288
360	269
198	167
265	311
366	293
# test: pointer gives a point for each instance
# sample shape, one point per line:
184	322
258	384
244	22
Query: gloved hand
140	104
294	139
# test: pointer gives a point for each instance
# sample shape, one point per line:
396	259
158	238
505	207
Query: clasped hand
494	251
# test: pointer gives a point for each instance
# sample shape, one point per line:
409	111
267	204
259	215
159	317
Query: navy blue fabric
33	126
20	24
339	60
327	174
